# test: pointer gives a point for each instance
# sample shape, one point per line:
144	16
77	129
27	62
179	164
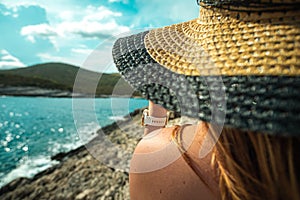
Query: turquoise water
33	129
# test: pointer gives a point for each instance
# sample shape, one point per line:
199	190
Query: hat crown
252	5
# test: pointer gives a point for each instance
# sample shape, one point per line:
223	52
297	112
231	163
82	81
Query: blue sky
68	31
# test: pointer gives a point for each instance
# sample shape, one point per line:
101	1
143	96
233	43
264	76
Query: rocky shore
80	174
33	91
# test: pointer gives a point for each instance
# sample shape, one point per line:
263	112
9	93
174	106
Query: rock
13	185
84	194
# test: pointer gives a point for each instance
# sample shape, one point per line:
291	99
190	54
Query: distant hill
62	77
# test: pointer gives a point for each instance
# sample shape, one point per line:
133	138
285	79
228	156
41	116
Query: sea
32	129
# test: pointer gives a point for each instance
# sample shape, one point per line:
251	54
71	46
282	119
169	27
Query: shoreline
31	91
79	163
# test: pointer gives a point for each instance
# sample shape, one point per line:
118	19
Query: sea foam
28	168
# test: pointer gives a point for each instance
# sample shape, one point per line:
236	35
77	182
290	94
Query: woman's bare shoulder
158	170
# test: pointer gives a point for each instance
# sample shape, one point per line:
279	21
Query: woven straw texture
219	43
234	68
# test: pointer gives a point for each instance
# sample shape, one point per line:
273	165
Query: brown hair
255	166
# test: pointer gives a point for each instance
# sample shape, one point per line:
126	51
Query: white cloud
71	30
124	1
90	13
89	21
8	61
99	13
83	51
95	22
92	29
10	12
42	30
66	15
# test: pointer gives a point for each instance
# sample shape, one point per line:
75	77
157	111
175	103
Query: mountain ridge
61	77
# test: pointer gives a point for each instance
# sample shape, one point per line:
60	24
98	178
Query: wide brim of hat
192	74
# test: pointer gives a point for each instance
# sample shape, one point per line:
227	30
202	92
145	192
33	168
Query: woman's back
242	165
176	180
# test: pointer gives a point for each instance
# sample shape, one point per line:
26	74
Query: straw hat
237	64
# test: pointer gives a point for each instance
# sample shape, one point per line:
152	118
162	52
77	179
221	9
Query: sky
69	31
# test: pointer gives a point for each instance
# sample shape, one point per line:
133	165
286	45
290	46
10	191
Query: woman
235	68
242	165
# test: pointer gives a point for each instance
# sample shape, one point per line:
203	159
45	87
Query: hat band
250	6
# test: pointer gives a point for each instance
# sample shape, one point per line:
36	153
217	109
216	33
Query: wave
117	118
28	168
87	132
